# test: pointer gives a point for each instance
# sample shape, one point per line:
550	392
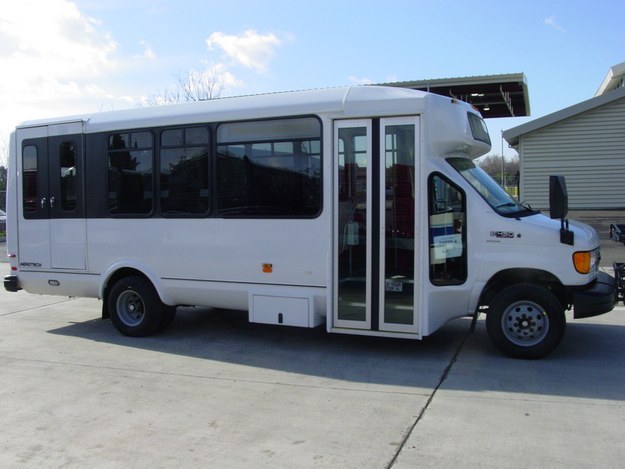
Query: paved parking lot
215	391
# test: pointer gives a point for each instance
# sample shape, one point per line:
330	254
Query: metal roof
613	80
493	95
339	101
512	135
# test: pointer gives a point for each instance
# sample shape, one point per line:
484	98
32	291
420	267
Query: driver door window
447	232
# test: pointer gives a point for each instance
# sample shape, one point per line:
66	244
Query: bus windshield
486	186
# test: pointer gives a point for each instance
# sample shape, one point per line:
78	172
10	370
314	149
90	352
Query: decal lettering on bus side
502	234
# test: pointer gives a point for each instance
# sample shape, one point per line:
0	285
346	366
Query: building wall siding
588	149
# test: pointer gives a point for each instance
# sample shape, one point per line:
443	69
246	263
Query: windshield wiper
528	207
507	204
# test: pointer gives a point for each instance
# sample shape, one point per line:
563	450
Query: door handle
52	202
43	202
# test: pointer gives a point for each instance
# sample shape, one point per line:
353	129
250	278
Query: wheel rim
130	308
525	323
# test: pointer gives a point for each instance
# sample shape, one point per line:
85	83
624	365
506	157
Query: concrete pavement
211	392
215	391
567	410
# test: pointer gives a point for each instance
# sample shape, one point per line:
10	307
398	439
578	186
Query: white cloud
551	21
251	49
148	52
221	72
49	54
359	81
57	61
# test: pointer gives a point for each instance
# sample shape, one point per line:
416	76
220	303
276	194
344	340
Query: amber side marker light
582	260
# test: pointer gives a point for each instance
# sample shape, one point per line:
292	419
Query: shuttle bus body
359	208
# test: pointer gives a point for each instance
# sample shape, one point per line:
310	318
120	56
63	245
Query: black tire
169	314
134	307
525	321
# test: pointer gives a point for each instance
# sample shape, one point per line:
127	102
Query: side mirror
559	207
558	197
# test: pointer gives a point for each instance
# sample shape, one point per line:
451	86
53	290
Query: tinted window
67	162
478	128
130	181
29	179
184	171
269	168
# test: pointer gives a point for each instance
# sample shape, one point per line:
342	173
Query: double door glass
375	221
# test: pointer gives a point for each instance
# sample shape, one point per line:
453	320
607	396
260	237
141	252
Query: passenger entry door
375	253
52	227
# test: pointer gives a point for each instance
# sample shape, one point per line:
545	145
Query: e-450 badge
502	234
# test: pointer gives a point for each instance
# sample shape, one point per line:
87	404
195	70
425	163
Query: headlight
586	262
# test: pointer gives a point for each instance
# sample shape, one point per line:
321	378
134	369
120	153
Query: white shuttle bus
357	207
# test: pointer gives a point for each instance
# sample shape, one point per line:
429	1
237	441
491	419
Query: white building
585	143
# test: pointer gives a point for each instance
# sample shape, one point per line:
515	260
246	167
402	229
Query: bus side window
30	189
269	168
67	161
447	232
130	177
183	179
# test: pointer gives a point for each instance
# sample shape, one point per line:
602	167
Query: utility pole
503	182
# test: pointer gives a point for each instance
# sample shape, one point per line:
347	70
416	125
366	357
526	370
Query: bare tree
201	86
171	96
493	165
4	158
194	86
4	149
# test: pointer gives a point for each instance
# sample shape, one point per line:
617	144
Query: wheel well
118	274
511	276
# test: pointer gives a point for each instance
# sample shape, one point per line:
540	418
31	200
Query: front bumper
599	298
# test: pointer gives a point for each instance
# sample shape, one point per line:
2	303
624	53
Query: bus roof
351	101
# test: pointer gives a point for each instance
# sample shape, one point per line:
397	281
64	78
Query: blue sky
61	57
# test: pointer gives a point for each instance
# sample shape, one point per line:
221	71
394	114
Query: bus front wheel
134	307
525	321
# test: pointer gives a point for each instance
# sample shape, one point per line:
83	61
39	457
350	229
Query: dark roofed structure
493	95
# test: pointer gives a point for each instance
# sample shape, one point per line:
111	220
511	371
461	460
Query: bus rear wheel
134	307
525	321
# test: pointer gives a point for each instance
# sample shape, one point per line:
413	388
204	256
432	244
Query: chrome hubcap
525	323
130	308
